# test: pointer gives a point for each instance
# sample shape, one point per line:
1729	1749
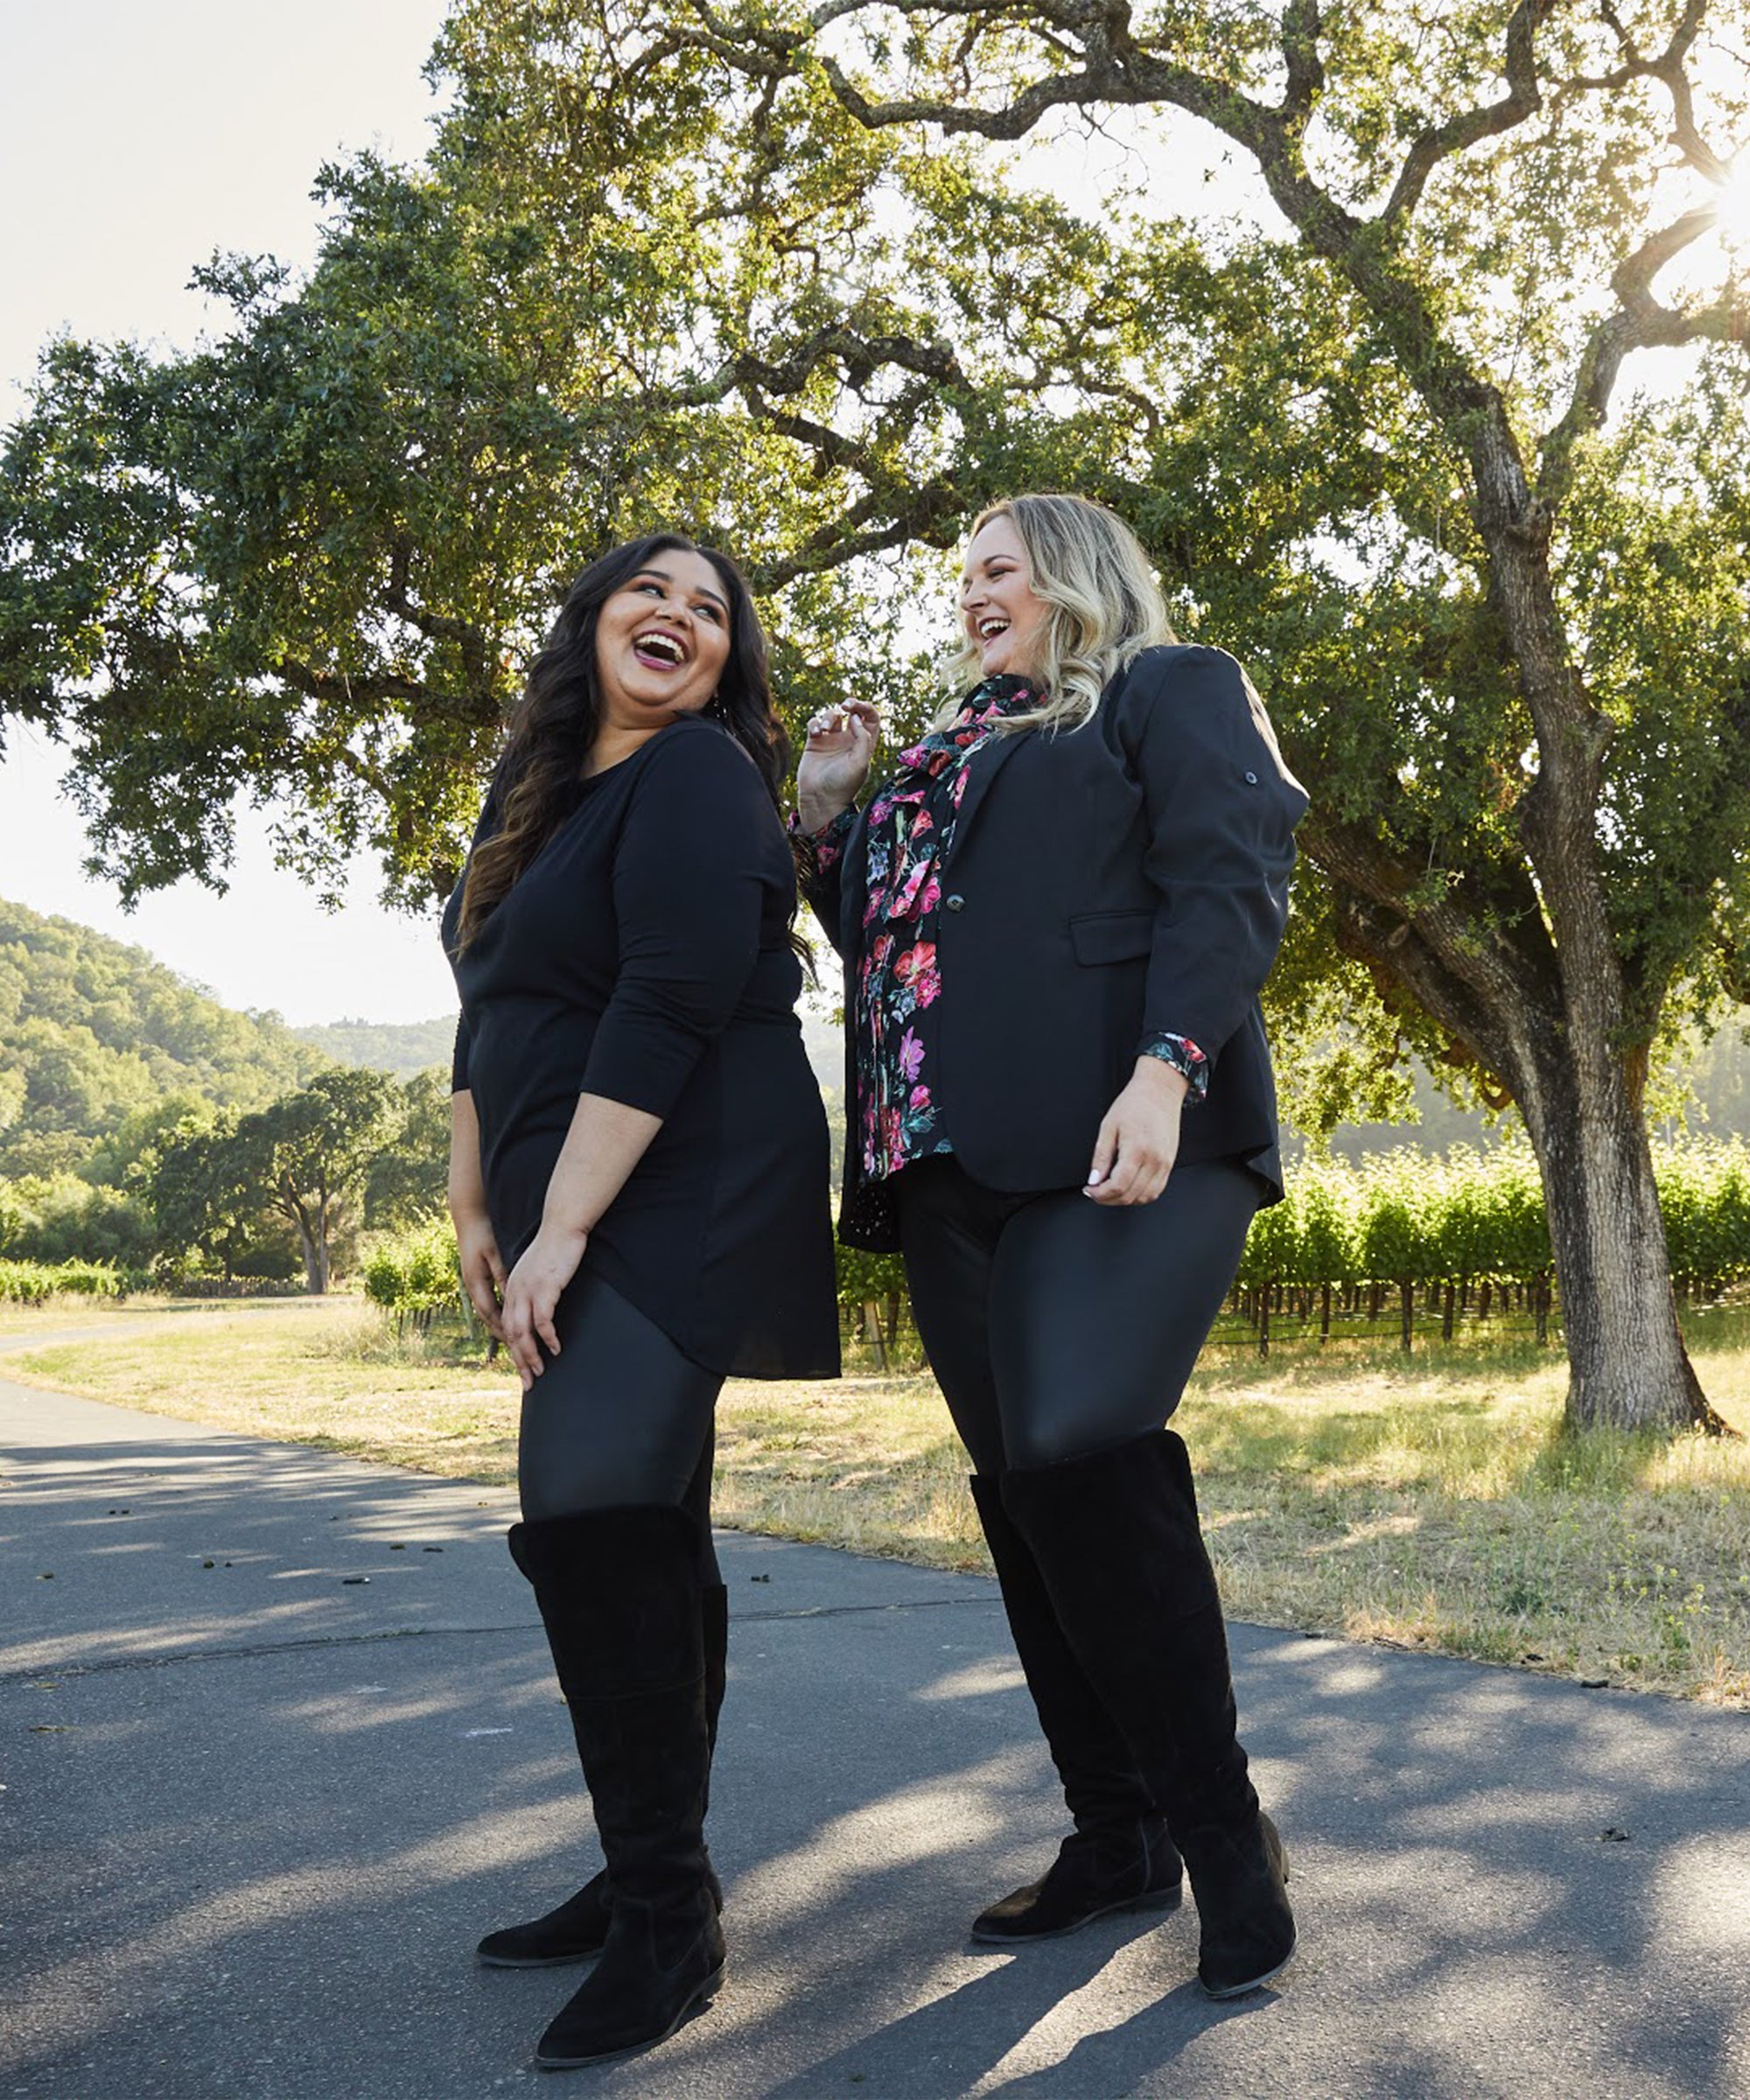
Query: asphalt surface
280	1741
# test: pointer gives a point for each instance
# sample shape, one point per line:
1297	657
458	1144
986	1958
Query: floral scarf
910	830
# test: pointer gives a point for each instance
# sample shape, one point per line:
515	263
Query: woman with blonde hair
1055	919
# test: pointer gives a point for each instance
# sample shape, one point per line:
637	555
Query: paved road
257	1810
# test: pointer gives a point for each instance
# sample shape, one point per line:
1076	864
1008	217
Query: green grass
1431	1501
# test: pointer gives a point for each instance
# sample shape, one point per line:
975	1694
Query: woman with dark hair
638	1170
1055	919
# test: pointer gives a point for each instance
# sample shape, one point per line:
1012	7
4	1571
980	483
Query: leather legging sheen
1057	1326
618	1417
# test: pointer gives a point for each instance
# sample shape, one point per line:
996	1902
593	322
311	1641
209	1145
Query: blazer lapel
981	769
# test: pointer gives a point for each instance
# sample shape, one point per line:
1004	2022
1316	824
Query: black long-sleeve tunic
643	956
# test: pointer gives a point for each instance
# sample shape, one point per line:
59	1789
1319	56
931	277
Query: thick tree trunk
1628	1367
1550	1034
315	1260
1533	984
313	1238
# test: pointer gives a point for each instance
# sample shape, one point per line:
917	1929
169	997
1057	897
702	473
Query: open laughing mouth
661	651
991	626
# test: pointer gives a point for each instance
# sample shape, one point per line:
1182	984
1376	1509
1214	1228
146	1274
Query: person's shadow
964	2035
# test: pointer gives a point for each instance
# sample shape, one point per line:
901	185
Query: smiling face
662	642
1003	617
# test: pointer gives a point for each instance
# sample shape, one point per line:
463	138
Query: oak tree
787	277
1380	443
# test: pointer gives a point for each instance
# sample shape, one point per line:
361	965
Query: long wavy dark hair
555	724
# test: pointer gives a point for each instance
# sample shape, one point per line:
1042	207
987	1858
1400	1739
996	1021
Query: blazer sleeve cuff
1184	1056
818	852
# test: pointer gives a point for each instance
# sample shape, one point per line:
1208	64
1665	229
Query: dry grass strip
1430	1502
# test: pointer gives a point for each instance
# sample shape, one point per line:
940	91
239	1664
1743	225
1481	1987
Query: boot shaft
1102	1785
1117	1543
619	1595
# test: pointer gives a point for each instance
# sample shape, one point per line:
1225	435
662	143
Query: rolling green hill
399	1048
96	1038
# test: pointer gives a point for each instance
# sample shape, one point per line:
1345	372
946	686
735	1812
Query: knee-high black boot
620	1598
1119	1856
578	1928
1117	1542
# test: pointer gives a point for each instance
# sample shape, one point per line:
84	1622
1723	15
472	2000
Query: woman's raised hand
836	761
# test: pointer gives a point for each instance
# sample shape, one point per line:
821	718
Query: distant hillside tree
62	1218
407	1180
303	1160
125	1155
310	1154
208	1206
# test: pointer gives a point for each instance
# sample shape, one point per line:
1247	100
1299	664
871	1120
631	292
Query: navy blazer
1104	884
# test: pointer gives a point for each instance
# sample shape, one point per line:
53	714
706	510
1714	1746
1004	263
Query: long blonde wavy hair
1106	608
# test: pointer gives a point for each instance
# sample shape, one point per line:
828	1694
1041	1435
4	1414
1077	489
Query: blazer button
954	904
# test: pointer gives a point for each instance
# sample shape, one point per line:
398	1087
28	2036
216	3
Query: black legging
1057	1326
619	1416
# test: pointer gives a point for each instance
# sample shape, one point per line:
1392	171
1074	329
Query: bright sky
134	141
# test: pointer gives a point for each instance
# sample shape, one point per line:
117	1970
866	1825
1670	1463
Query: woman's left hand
1138	1140
531	1296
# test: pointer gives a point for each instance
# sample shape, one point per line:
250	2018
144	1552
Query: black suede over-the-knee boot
578	1928
620	1598
1117	1542
1119	1856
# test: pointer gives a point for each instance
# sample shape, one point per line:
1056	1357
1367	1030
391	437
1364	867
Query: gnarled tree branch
1639	322
1302	25
469	641
1440	141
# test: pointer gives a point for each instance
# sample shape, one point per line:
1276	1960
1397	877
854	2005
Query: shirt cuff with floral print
819	850
1184	1056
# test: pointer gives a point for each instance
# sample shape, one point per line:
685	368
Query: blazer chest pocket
1112	936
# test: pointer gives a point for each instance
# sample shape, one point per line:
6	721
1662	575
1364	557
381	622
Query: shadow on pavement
256	1813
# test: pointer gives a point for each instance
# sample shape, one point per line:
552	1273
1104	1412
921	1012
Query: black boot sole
1254	1983
700	2001
1165	1899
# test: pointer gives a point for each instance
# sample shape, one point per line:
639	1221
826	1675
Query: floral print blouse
896	986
